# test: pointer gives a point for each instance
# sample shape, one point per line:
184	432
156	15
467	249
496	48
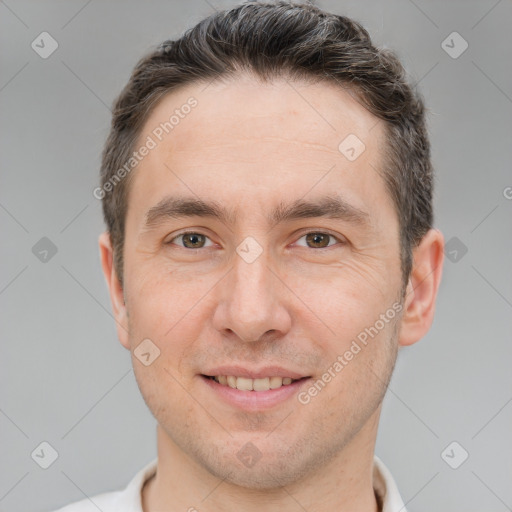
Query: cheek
346	298
357	334
359	362
171	310
161	387
164	302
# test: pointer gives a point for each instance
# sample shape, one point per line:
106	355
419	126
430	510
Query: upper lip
261	373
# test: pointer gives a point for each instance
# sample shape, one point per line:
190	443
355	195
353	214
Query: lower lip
254	400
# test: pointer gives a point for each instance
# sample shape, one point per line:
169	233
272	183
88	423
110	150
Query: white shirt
129	499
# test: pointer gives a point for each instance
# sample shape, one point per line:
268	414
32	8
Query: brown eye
191	240
318	240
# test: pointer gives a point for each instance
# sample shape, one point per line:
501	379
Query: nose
253	302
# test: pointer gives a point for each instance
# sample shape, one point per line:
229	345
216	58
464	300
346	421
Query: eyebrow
331	206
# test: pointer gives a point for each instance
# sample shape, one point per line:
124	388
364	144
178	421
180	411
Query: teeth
245	384
276	382
261	384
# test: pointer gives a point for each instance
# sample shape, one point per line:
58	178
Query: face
292	259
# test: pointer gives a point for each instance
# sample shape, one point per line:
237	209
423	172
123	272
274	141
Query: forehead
245	137
241	108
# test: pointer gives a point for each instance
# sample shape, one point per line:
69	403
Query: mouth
256	385
254	390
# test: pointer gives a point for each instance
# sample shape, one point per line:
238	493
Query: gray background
64	377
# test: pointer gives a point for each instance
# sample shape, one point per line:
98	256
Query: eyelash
340	241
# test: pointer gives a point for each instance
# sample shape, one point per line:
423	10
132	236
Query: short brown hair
296	41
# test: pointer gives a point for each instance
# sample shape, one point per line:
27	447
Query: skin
296	305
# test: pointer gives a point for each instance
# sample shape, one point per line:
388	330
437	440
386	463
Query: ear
421	293
115	289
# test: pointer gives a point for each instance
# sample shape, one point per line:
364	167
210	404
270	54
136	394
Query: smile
246	384
262	392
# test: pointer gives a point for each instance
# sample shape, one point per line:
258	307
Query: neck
344	483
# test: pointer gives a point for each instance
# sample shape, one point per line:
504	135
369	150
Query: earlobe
115	289
422	288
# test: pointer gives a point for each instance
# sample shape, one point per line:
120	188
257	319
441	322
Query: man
267	190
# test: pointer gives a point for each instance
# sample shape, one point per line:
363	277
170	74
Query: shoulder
385	488
125	500
106	502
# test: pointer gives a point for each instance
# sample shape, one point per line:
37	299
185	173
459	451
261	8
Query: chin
263	476
270	466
